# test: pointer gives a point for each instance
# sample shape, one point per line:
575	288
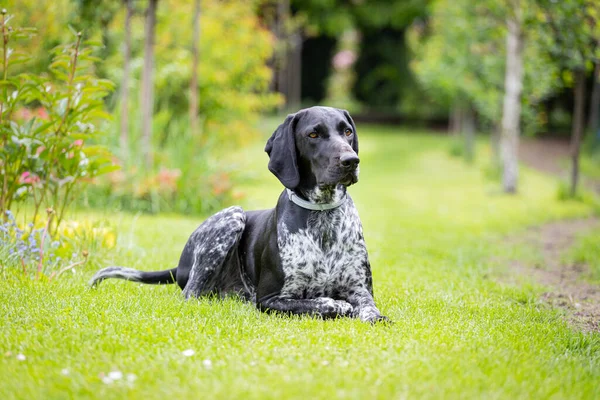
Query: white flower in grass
64	371
107	380
21	357
188	352
115	375
131	378
207	364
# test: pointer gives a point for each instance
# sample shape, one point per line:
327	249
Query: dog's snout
349	160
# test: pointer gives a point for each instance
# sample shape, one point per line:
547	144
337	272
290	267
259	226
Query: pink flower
28	178
42	113
344	59
78	143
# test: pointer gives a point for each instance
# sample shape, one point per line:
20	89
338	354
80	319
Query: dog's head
315	148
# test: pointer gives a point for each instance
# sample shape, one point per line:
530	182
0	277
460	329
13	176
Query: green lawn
432	225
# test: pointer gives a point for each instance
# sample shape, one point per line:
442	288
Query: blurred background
190	84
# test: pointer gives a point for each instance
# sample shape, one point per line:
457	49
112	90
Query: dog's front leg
364	306
322	306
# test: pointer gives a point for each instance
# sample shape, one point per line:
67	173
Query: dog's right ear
281	148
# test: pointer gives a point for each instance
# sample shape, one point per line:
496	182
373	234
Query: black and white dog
305	256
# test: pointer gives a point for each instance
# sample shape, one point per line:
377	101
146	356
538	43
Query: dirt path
567	288
551	156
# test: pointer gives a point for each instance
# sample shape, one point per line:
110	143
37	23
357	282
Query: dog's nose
349	160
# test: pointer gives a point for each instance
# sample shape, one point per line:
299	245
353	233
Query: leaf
43	127
62	106
106	169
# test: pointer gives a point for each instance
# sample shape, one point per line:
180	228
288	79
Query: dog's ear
351	122
281	148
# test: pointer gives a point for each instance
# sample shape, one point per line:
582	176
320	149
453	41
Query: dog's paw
373	316
382	319
330	308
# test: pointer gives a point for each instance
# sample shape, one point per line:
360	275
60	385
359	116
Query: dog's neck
323	194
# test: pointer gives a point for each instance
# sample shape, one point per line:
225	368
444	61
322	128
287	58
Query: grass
587	251
432	225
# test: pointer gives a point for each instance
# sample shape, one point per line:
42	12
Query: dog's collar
314	206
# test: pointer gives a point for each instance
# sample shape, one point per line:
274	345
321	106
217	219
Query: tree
571	32
470	55
124	136
511	109
147	93
594	118
194	90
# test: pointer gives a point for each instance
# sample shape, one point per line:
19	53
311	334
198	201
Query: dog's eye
313	135
348	132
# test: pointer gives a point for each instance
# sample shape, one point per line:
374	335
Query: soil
567	288
552	156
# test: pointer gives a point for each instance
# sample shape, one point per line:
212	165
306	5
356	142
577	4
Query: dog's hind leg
209	251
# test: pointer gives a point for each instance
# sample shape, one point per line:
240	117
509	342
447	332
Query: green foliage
460	56
333	17
233	74
50	19
233	89
571	32
48	154
192	177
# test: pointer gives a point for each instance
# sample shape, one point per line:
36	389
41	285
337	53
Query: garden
492	282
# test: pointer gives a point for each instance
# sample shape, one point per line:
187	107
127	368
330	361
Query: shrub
48	123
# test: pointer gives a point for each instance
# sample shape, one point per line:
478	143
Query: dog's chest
327	258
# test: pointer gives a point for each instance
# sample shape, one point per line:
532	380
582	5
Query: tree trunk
456	116
124	137
577	132
511	112
595	101
294	72
468	131
194	90
147	100
281	63
495	144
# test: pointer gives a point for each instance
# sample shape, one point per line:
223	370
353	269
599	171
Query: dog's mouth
339	176
350	178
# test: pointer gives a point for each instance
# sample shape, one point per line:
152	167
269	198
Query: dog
305	256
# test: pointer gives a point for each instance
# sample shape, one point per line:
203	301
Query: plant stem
65	201
68	267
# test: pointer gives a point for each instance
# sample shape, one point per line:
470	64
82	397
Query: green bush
48	125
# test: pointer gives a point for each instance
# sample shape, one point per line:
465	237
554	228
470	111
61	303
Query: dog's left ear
281	148
351	122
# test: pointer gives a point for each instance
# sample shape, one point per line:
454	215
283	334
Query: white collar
294	198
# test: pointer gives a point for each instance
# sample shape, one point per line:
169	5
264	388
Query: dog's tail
130	274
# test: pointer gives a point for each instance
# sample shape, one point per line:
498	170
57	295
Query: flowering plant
48	123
